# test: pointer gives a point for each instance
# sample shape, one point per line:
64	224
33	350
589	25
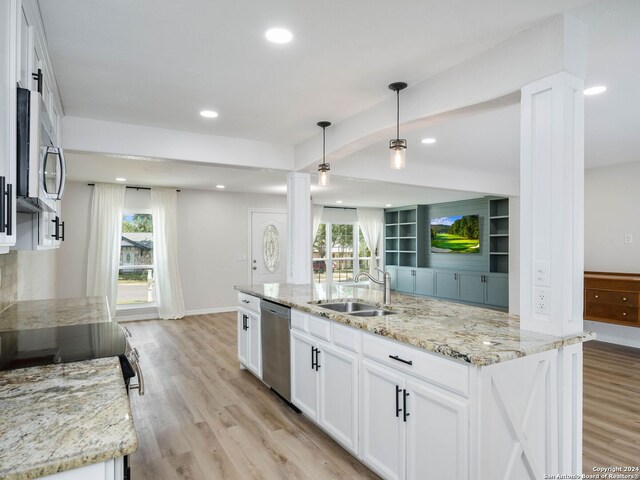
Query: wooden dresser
612	298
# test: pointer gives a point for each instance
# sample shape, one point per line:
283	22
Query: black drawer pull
398	409
405	414
317	359
313	358
396	357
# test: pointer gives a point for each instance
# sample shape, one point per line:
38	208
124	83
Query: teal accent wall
458	261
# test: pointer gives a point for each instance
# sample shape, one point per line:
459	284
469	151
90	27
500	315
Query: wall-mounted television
455	234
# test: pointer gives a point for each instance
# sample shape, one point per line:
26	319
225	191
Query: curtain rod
133	188
342	208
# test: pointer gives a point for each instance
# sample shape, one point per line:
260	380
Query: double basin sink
355	308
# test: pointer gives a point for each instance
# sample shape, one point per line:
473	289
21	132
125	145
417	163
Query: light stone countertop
472	334
31	314
59	417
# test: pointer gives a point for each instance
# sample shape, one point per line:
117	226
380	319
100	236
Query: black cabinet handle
245	325
313	358
405	414
9	202
62	230
455	276
398	409
397	358
56	235
38	76
2	205
317	359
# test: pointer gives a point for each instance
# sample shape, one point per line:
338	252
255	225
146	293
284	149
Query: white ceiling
159	62
163	173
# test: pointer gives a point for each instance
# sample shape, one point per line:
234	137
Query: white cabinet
382	429
437	434
339	403
304	377
324	386
249	341
411	429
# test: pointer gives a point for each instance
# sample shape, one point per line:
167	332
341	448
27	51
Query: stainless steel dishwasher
276	367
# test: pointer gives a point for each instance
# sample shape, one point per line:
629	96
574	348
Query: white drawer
449	374
299	321
320	328
249	302
346	337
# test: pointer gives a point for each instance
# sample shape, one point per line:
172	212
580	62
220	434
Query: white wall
612	209
212	231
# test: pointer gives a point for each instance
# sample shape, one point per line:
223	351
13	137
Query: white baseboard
611	333
133	318
206	311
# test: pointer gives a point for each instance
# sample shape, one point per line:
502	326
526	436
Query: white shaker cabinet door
243	337
338	371
255	345
382	425
304	377
437	434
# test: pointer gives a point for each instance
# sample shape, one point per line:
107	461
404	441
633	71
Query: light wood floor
611	434
204	418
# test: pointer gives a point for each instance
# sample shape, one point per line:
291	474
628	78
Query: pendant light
324	167
398	146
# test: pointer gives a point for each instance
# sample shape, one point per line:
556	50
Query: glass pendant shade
323	174
398	149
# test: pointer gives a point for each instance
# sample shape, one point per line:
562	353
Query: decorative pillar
299	227
552	243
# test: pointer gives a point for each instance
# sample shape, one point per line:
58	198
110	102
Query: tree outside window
136	277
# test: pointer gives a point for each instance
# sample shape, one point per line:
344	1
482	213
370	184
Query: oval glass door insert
271	249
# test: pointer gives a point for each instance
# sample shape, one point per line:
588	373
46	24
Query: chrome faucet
386	282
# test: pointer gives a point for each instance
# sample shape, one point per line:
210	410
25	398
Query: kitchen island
64	421
434	389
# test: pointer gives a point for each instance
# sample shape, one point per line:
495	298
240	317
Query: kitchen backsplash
8	279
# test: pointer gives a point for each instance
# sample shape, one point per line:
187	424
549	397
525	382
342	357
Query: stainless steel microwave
41	170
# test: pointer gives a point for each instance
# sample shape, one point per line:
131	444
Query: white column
299	225
552	205
552	242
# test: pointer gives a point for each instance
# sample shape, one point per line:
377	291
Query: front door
268	260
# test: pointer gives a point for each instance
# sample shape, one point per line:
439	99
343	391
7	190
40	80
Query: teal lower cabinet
393	271
423	281
406	280
471	287
496	289
446	284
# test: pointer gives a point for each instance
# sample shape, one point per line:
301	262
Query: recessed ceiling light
338	201
428	141
220	187
208	114
595	90
278	35
387	204
121	179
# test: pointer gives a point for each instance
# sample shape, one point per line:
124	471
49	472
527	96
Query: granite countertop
59	417
475	335
54	313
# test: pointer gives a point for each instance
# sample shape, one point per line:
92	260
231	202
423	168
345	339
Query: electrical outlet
541	300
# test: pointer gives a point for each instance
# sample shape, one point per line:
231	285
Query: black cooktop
44	346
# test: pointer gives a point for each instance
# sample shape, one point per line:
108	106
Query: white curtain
317	220
105	231
164	205
371	222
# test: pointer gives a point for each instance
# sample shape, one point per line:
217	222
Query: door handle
38	77
3	205
62	230
56	222
398	409
405	414
313	358
317	359
455	276
245	325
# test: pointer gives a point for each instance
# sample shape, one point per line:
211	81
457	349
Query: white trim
206	311
250	212
188	313
140	316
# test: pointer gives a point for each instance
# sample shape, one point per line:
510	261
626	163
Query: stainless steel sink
372	313
347	307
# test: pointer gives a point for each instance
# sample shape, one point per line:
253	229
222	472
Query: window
345	258
136	278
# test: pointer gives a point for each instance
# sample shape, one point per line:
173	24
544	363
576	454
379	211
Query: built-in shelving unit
402	229
499	235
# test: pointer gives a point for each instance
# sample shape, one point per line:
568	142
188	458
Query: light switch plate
541	274
628	238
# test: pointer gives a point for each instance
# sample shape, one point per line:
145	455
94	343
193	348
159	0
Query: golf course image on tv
455	234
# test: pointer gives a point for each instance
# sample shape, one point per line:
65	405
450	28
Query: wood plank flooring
204	418
611	425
